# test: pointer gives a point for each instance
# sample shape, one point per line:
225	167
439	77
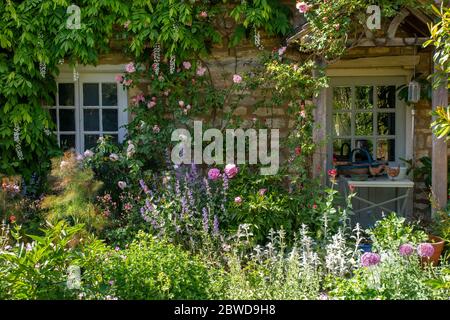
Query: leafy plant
153	270
393	231
39	270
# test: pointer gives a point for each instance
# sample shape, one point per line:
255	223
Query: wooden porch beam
439	153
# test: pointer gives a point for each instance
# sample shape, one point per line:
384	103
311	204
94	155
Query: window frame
402	145
91	77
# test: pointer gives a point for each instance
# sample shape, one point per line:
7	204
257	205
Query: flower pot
438	245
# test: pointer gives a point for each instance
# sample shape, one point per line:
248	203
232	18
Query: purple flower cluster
406	250
205	219
425	250
370	259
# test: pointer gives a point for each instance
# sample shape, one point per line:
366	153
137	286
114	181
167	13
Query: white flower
113	157
130	149
122	184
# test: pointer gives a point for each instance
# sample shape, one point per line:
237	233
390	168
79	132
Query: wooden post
320	129
439	153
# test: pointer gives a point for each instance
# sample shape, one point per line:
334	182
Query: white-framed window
86	109
366	113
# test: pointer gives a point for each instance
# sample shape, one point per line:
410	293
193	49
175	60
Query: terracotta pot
438	245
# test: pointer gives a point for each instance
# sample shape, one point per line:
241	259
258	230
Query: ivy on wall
34	38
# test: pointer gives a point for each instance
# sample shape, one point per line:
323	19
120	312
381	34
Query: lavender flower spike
205	219
216	225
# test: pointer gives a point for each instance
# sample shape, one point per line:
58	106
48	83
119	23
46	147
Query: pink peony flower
231	170
425	250
238	200
237	78
187	65
130	68
118	78
303	7
122	184
406	250
214	174
370	259
201	71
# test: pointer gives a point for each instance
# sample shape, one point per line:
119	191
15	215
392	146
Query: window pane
91	120
110	121
386	150
364	144
341	149
53	115
90	141
364	124
386	124
67	141
90	94
342	98
109	94
66	94
386	97
66	120
364	97
342	124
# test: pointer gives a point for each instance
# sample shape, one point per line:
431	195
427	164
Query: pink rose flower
118	78
204	14
262	192
238	200
214	174
130	68
281	51
187	65
151	104
303	7
201	71
237	78
231	170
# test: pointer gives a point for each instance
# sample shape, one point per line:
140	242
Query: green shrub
393	231
152	270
